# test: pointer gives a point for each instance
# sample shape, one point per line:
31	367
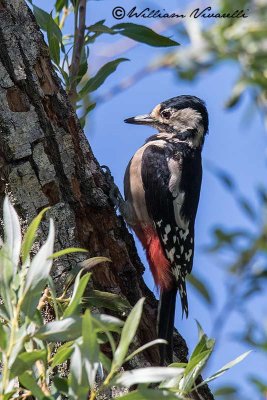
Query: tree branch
80	14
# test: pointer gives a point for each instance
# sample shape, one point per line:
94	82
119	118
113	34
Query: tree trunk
46	161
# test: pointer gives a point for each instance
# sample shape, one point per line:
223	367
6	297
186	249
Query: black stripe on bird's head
184	118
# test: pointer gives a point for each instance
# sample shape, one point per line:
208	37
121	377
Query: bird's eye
166	114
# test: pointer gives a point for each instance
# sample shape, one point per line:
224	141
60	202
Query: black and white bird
162	187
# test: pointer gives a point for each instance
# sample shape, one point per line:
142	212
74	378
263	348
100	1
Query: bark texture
46	160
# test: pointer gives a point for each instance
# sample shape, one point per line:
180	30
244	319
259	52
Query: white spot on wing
188	255
170	254
184	234
168	229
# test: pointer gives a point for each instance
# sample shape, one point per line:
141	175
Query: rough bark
46	160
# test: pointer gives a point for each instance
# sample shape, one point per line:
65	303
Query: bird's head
184	118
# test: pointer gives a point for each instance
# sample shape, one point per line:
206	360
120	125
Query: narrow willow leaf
93	261
29	382
25	361
96	81
99	27
144	34
12	232
200	287
144	347
128	333
90	348
227	366
107	300
147	375
30	234
59	331
60	4
78	383
53	42
193	369
225	391
45	21
107	322
63	354
69	250
61	385
150	394
78	291
3	337
38	274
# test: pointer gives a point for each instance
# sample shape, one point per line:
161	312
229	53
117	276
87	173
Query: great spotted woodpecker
162	187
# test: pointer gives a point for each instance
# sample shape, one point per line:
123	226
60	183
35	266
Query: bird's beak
145	119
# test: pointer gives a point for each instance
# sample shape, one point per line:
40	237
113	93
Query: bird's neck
189	138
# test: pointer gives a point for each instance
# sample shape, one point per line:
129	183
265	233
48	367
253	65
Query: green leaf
200	287
227	366
60	4
105	361
78	291
144	34
38	274
53	42
78	383
3	311
90	348
96	81
12	232
192	371
144	347
197	361
147	375
225	391
25	361
61	331
107	323
46	22
63	353
27	380
107	300
30	234
61	384
93	261
247	207
69	250
6	277
42	17
128	333
99	27
149	394
3	337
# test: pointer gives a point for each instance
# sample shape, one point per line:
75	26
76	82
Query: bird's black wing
173	207
172	185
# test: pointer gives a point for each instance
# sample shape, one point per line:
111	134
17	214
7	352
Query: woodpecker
162	186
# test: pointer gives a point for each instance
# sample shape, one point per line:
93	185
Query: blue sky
233	145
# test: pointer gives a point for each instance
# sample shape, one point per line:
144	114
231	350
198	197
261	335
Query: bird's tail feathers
181	284
166	313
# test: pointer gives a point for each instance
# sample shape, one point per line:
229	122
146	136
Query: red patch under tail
159	265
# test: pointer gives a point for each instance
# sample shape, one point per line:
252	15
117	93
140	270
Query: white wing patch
170	254
188	255
175	168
